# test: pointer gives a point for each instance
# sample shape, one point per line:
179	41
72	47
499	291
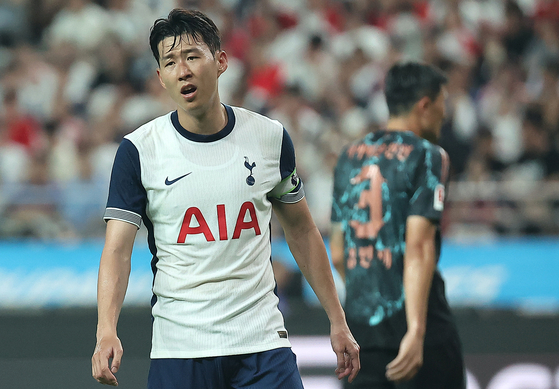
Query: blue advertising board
520	274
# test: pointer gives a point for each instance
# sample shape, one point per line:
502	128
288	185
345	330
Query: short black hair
408	82
181	21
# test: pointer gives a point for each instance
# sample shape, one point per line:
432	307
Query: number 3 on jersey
371	198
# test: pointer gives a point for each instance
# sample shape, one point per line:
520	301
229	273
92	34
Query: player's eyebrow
172	53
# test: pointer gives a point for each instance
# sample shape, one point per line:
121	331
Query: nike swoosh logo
171	182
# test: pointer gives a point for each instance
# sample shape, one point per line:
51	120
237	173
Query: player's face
189	72
435	114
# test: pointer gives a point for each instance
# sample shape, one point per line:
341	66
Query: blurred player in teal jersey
388	200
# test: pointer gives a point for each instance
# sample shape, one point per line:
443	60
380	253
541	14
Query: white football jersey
205	200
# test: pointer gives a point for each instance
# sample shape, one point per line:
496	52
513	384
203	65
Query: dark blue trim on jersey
205	138
126	191
271	262
154	258
287	157
287	160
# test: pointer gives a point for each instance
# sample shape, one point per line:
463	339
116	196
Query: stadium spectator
67	66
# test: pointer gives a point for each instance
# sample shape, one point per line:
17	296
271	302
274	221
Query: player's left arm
307	247
419	266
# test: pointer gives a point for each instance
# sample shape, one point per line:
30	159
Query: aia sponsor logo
195	223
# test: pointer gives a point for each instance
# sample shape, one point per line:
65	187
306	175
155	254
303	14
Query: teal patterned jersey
379	182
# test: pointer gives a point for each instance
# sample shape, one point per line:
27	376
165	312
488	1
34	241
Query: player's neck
402	123
205	122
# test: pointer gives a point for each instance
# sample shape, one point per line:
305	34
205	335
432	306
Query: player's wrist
338	322
105	332
417	330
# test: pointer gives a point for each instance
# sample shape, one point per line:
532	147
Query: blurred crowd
77	75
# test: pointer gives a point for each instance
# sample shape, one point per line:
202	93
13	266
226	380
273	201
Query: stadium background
76	75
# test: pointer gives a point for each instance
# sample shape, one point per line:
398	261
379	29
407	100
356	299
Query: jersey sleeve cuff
123	215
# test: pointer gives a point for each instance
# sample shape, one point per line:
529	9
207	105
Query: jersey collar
206	138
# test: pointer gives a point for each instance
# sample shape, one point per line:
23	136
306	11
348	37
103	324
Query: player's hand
409	359
103	370
347	352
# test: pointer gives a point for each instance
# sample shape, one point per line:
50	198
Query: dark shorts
443	368
274	369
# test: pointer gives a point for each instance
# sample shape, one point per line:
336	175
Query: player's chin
190	105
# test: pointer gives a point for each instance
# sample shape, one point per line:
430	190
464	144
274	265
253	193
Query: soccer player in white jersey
204	180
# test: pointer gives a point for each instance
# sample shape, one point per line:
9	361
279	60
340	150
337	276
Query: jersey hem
283	343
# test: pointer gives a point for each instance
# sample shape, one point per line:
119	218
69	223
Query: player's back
379	177
379	182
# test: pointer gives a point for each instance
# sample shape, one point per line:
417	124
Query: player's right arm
114	270
125	205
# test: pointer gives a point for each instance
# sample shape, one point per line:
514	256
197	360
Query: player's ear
159	77
222	62
424	103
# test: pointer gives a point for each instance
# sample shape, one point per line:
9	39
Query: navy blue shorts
274	369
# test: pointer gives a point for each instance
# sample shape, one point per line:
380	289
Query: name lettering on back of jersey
171	182
390	151
249	166
200	225
438	202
